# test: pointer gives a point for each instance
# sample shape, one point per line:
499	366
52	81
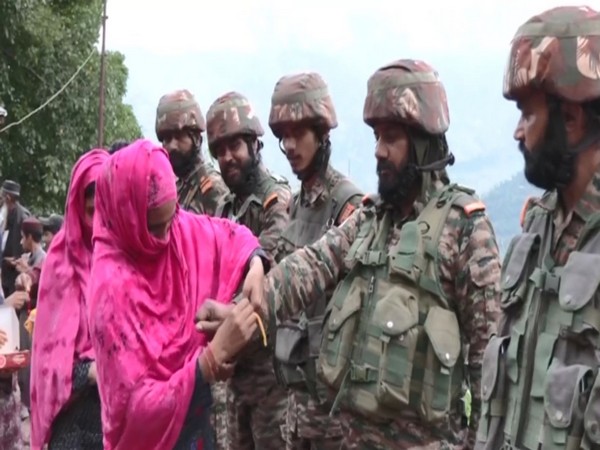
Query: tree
43	43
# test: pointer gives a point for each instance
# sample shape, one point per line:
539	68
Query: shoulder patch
279	179
346	212
273	198
524	210
472	207
205	184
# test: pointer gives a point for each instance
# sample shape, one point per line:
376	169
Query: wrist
219	355
207	372
213	369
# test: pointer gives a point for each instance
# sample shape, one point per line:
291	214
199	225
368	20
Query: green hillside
504	203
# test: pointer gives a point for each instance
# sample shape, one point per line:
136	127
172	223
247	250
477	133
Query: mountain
480	134
504	205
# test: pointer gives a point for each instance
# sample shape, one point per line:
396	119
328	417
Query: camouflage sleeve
275	220
195	206
212	192
304	276
477	290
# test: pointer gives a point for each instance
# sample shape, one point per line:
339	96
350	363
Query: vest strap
373	258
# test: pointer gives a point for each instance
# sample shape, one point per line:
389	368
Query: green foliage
42	45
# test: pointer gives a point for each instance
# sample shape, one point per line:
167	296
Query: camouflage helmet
557	51
231	115
301	98
177	110
409	92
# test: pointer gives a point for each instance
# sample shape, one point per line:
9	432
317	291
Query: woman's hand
235	332
230	338
211	315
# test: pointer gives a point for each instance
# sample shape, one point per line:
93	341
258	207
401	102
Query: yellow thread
262	328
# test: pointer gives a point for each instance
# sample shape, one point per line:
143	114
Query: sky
239	26
175	44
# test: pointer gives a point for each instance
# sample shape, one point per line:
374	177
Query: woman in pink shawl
153	267
65	404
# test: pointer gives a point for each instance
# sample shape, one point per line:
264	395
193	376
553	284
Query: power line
102	81
47	102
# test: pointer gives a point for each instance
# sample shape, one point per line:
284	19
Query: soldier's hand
211	315
253	284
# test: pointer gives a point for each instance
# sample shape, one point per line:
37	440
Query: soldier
200	188
302	116
418	272
259	200
179	127
540	386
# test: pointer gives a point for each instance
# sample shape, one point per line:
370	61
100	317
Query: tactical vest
199	180
391	337
259	199
540	385
298	340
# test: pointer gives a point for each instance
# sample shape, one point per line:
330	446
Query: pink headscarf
145	293
61	334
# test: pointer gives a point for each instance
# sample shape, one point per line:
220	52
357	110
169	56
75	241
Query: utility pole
102	80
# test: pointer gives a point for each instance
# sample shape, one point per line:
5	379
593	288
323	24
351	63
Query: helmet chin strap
438	165
591	138
428	147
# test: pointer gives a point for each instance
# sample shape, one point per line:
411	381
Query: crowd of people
183	307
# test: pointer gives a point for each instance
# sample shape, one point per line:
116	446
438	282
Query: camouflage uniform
202	188
255	402
541	383
200	192
307	420
323	201
391	347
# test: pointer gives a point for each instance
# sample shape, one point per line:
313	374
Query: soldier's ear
258	145
575	120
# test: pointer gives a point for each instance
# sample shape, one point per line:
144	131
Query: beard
550	165
247	177
398	184
183	163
